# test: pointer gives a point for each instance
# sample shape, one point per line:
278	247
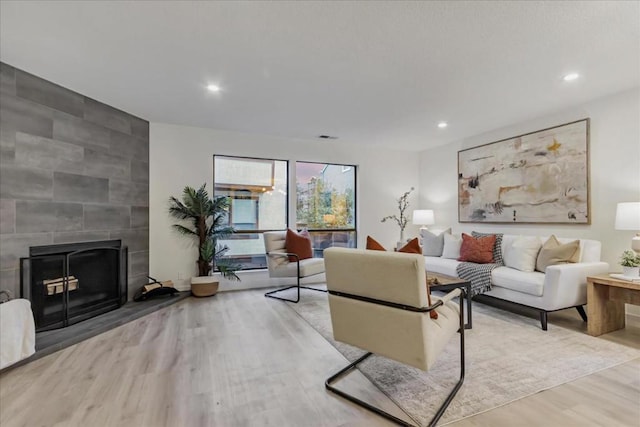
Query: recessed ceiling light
570	77
213	88
442	125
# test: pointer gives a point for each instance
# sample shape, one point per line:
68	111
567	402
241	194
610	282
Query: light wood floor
239	359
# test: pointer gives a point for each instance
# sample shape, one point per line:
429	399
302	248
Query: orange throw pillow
433	314
299	245
477	249
373	245
412	247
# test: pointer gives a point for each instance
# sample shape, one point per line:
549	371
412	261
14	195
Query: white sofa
17	331
559	287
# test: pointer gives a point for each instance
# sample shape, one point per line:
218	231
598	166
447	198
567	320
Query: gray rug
508	357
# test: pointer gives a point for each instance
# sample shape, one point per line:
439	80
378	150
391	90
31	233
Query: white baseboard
252	279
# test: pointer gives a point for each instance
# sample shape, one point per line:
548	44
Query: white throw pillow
451	247
522	253
433	242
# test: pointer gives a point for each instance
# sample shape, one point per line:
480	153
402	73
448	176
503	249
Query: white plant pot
631	271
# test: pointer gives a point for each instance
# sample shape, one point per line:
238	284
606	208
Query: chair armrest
442	300
284	254
451	295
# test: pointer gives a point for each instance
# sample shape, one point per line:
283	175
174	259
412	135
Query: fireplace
71	282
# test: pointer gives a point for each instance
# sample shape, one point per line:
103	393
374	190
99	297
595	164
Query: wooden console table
606	297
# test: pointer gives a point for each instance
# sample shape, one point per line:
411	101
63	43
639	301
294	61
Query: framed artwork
536	178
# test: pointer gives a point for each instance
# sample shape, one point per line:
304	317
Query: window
326	204
258	192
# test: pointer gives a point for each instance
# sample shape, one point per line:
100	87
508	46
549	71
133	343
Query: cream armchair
279	265
378	302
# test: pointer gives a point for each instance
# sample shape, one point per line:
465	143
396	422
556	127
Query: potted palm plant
206	223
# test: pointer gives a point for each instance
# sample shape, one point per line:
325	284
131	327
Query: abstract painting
537	178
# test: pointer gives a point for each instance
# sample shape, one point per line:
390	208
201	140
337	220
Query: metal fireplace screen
69	283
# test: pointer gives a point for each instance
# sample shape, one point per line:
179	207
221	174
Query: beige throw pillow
553	252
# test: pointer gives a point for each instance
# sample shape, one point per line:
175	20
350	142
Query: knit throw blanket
478	274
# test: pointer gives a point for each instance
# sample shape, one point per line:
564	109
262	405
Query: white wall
181	155
615	173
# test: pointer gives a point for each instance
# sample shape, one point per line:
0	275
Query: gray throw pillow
433	244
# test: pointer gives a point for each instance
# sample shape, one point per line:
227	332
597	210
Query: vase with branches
205	221
403	204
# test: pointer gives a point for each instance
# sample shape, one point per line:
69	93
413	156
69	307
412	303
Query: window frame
286	219
355	197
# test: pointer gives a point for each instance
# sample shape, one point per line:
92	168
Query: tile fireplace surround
72	169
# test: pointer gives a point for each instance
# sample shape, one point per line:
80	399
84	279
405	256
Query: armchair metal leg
385	414
298	286
355	400
270	294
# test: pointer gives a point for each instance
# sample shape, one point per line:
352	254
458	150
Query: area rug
508	357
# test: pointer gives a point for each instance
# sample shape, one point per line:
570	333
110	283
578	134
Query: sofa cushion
451	248
497	248
531	283
433	243
441	265
589	250
553	252
521	253
477	249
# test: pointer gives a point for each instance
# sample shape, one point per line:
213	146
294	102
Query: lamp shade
423	217
627	216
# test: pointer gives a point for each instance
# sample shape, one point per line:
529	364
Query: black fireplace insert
71	282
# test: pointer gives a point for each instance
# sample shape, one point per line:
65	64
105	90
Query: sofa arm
17	331
565	285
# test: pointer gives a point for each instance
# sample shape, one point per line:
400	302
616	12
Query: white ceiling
380	73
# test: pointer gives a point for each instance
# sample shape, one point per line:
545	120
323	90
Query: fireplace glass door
73	282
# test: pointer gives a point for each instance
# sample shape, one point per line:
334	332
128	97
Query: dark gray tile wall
72	169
